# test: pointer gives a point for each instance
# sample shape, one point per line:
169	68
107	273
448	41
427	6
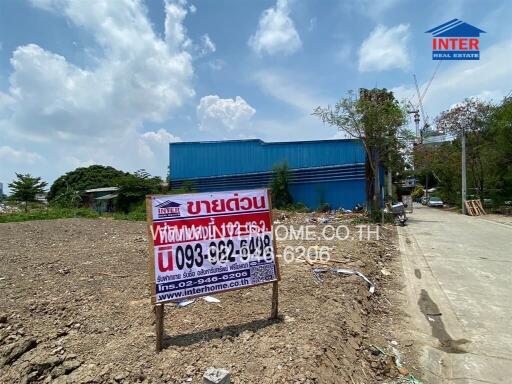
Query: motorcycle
398	211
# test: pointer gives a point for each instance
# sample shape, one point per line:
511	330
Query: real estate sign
205	243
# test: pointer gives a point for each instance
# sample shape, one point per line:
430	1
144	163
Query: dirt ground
74	308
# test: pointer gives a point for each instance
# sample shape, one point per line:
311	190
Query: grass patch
48	214
130	216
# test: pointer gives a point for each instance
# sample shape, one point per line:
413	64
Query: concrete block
216	376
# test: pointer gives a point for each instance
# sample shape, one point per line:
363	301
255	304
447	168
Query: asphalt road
458	273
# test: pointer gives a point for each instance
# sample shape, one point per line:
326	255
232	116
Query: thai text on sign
206	243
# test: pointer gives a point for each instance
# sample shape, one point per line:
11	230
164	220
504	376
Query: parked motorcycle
398	211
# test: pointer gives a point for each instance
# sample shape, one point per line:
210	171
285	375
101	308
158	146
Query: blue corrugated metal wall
330	171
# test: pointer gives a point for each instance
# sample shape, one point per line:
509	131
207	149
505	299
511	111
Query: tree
469	118
25	188
67	190
133	189
377	119
281	197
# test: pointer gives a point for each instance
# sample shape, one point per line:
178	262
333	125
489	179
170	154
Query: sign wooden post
274	313
211	242
159	326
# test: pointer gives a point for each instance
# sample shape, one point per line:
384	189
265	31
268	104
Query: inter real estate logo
455	40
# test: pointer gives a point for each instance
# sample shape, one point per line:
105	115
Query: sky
113	82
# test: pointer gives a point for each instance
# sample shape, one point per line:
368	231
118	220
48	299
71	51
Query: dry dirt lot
74	308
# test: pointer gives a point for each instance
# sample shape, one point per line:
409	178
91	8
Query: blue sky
92	82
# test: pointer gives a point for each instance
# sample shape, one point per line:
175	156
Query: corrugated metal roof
105	189
107	197
216	158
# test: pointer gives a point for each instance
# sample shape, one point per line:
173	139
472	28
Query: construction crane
421	97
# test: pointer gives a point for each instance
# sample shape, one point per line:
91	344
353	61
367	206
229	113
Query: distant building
101	199
1	190
327	171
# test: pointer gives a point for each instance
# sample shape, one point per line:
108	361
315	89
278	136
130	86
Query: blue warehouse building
327	171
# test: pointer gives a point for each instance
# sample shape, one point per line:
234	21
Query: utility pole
463	191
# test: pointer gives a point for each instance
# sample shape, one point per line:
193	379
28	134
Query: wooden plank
481	207
275	301
469	209
157	309
275	286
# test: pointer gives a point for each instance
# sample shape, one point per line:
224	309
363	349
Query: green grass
131	216
48	214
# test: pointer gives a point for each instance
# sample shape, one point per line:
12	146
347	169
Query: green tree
67	190
133	189
25	188
470	118
498	151
378	121
281	197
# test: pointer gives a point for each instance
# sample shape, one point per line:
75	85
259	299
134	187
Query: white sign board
205	243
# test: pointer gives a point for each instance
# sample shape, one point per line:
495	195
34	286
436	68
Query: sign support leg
159	326
275	300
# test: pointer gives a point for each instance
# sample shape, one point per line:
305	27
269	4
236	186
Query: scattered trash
318	271
377	350
352	272
393	342
216	376
385	272
409	379
324	220
435	314
431	319
184	303
211	299
397	357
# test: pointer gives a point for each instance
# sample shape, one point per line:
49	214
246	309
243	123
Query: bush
376	216
138	213
324	207
418	192
281	197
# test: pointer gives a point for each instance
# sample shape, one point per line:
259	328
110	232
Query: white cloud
18	156
216	64
385	48
207	45
490	78
139	76
283	87
276	33
192	8
77	115
160	136
216	114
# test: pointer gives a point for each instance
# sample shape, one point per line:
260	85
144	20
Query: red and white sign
206	243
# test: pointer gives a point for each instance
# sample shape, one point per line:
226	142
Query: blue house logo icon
168	208
455	40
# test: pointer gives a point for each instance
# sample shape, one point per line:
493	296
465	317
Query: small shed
101	199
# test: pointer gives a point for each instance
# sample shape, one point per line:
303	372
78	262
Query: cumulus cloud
18	156
276	33
139	76
385	48
216	114
160	136
88	113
